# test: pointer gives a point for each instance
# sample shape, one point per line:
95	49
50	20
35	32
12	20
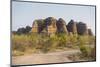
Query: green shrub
63	39
88	52
73	39
84	40
84	50
22	43
45	43
91	39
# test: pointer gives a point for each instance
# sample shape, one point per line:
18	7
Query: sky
24	13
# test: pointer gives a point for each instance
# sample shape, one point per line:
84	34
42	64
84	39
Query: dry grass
34	43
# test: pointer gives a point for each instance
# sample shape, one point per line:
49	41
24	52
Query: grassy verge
35	43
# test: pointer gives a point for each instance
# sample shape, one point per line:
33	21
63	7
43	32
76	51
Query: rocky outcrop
61	26
82	28
72	27
47	25
35	27
90	32
51	25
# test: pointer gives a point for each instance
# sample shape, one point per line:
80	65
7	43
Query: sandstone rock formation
47	25
61	26
35	27
72	27
51	25
82	28
90	32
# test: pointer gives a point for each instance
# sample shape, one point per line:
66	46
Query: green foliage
63	39
86	45
91	39
87	52
44	43
18	43
73	39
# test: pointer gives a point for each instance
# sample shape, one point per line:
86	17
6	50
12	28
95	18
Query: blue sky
24	13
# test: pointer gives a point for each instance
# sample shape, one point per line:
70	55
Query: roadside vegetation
35	43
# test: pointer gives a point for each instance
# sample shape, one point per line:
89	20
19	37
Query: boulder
51	25
35	26
47	25
82	28
61	26
90	32
71	27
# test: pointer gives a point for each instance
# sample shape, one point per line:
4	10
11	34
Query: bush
84	40
84	50
88	52
73	39
63	39
39	42
19	43
23	43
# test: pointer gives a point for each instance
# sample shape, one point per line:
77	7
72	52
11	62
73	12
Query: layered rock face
51	25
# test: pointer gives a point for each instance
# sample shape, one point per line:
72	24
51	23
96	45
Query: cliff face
51	25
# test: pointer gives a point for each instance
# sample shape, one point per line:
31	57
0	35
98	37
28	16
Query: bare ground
42	58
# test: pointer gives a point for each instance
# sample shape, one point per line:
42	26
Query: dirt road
41	58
